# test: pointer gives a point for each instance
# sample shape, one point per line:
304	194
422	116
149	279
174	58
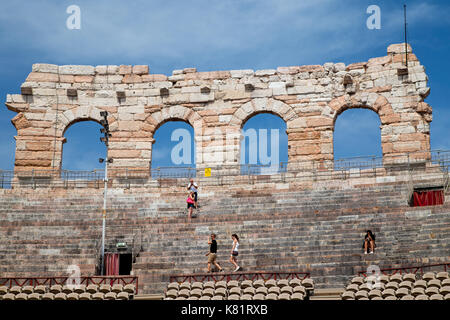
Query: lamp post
105	139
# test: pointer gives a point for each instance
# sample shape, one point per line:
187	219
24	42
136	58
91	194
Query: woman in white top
193	187
234	252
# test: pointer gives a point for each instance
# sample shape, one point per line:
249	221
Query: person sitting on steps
369	242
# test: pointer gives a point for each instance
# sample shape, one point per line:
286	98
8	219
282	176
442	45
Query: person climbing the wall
193	187
212	254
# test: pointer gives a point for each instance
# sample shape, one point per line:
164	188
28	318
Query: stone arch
397	135
260	105
64	121
275	153
177	113
78	114
373	101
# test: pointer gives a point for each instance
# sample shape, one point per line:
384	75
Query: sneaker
371	252
237	269
221	270
365	252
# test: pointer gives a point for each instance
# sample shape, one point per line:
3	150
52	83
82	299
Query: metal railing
371	166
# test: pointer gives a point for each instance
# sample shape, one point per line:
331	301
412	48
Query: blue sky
220	35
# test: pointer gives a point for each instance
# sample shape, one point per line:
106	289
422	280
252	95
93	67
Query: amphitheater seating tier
283	289
58	292
282	227
429	286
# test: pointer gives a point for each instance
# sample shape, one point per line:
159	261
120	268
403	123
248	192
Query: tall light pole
105	139
406	36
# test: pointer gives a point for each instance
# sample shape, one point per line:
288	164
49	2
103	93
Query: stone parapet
307	98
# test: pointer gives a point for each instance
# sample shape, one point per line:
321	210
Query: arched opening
264	144
83	148
357	138
173	150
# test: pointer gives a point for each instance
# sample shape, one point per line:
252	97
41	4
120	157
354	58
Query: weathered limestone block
298	123
153	77
112	69
288	70
319	121
66	78
20	121
124	153
87	79
267	72
201	97
236	95
77	70
125	69
407	146
310	68
34	155
301	90
45	68
356	66
131	109
189	70
241	73
42	77
372	63
140	69
131	78
398	48
101	70
339	67
33	163
129	125
208	75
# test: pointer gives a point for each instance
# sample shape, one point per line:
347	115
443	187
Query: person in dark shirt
212	254
369	242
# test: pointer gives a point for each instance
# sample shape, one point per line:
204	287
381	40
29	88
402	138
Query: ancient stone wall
217	104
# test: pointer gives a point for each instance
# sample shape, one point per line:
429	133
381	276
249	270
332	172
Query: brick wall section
318	229
216	104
